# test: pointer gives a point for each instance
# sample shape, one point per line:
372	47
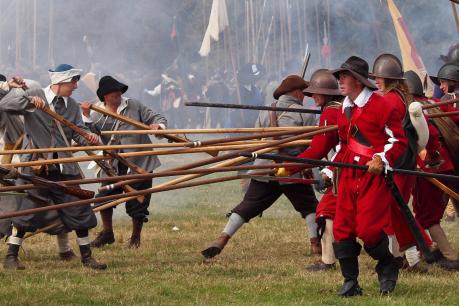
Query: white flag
218	21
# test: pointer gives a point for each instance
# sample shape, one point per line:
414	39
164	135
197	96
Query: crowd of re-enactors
381	124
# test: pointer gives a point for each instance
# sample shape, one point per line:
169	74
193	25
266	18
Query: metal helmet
387	66
322	82
453	54
448	72
414	83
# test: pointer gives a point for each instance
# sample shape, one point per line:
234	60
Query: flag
218	21
410	56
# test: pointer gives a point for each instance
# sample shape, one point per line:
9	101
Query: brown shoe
450	265
316	246
420	267
88	261
11	261
67	256
320	266
103	238
216	246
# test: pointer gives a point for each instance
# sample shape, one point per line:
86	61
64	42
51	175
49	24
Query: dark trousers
260	196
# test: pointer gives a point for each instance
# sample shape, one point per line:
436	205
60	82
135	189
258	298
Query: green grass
262	265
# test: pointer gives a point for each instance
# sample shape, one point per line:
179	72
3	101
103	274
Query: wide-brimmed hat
290	83
322	82
108	84
358	67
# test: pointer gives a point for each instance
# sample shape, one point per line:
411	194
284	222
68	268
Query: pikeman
370	134
323	88
42	131
429	202
388	76
262	194
110	92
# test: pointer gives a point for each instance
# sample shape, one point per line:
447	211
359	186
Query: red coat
364	200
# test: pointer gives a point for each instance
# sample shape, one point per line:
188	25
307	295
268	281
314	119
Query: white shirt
50	95
360	101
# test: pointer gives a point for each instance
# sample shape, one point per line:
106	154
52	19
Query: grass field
262	265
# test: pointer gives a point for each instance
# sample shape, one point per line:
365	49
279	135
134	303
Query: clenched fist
38	102
376	165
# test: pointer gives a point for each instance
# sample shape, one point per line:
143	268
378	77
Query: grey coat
136	110
286	119
40	129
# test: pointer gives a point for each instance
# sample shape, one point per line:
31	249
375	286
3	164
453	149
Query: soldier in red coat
429	202
388	75
370	134
323	88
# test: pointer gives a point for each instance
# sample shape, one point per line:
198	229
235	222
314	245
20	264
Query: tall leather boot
216	246
137	225
87	260
387	267
450	259
347	252
11	261
106	236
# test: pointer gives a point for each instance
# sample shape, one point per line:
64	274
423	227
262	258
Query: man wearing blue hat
42	131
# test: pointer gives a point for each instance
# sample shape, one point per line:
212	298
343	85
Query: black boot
347	252
12	261
103	238
88	261
386	267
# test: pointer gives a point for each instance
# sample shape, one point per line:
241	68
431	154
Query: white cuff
327	172
15	240
385	161
83	240
4	86
162	126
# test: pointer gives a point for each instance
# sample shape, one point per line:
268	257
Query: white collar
50	95
360	101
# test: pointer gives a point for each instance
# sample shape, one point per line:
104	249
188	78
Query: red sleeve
434	142
396	142
321	144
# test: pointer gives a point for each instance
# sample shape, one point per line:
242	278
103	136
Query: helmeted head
387	66
447	77
323	87
414	83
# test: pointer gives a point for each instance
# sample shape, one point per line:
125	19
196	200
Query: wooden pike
137	124
94	157
438	104
122	200
444	188
128	146
146	176
102	165
443	114
206	131
226	160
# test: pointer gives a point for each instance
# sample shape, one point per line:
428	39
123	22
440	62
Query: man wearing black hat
262	194
110	92
42	131
370	134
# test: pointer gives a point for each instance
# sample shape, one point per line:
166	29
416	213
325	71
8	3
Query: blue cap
62	67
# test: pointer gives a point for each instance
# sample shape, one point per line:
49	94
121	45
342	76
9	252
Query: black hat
108	84
2	78
358	67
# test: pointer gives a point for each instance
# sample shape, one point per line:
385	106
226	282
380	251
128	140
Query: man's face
66	89
347	83
113	97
